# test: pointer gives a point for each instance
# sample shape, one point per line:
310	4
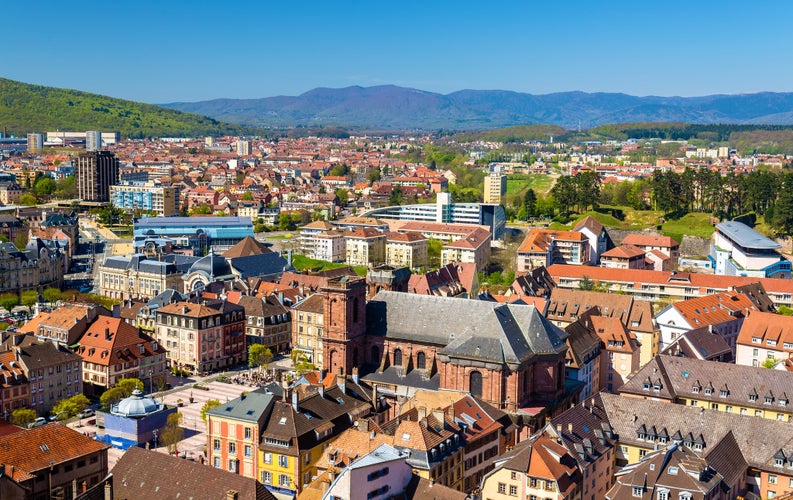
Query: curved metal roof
746	236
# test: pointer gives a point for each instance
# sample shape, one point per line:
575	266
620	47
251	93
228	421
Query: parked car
37	423
88	412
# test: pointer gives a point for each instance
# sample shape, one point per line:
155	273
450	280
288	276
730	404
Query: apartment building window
283	480
217	444
247	450
637	491
513	490
268	458
267	477
247	433
771	479
283	461
217	463
502	488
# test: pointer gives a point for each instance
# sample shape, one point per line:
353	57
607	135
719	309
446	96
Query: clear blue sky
164	51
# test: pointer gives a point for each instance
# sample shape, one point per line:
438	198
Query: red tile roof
35	449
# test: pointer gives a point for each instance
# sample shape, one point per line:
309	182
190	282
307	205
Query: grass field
693	224
301	262
540	183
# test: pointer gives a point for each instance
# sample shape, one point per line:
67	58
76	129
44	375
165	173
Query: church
508	355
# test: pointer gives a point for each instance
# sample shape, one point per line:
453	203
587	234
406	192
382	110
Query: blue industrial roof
746	236
193	222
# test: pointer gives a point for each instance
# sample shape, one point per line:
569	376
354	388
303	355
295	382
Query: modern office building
495	188
96	172
739	250
486	214
93	140
64	137
199	233
243	148
35	142
148	196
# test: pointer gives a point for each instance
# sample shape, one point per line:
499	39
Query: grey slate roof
502	333
746	236
678	376
758	438
139	262
249	407
266	264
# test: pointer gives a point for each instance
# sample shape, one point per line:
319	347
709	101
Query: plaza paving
195	440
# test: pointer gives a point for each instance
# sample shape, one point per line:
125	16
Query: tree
434	248
70	407
173	432
128	385
202	209
29	297
247	196
343	196
210	404
111	396
8	301
784	311
28	200
45	186
769	363
22	417
564	192
374	176
21	240
111	215
586	283
51	295
396	196
339	170
530	203
259	356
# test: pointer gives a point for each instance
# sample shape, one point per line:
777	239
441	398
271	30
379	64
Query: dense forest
34	108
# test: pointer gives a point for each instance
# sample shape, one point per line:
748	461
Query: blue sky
167	51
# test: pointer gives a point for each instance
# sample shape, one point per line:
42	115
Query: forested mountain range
399	108
35	108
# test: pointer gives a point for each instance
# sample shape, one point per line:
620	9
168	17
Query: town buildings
112	349
365	247
711	385
739	250
35	268
137	277
163	201
406	249
540	468
495	188
723	313
543	247
764	338
490	215
202	337
198	233
473	248
47	461
96	171
54	372
268	322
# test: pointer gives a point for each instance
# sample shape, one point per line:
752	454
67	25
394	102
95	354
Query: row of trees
766	193
578	192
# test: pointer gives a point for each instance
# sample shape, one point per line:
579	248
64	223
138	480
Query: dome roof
135	406
211	265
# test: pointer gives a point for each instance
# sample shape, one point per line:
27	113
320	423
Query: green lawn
540	183
693	224
301	262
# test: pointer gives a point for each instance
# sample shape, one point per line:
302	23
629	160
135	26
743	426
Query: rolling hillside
399	108
34	108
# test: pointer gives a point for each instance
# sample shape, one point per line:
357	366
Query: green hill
34	108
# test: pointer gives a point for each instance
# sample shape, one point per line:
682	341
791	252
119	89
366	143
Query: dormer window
695	389
752	397
756	340
768	400
723	393
770	342
708	391
647	386
657	387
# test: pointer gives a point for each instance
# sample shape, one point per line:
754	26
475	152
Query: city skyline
177	51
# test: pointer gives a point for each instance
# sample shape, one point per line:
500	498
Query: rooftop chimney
342	383
422	411
232	495
108	491
294	401
321	389
355	374
570	428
